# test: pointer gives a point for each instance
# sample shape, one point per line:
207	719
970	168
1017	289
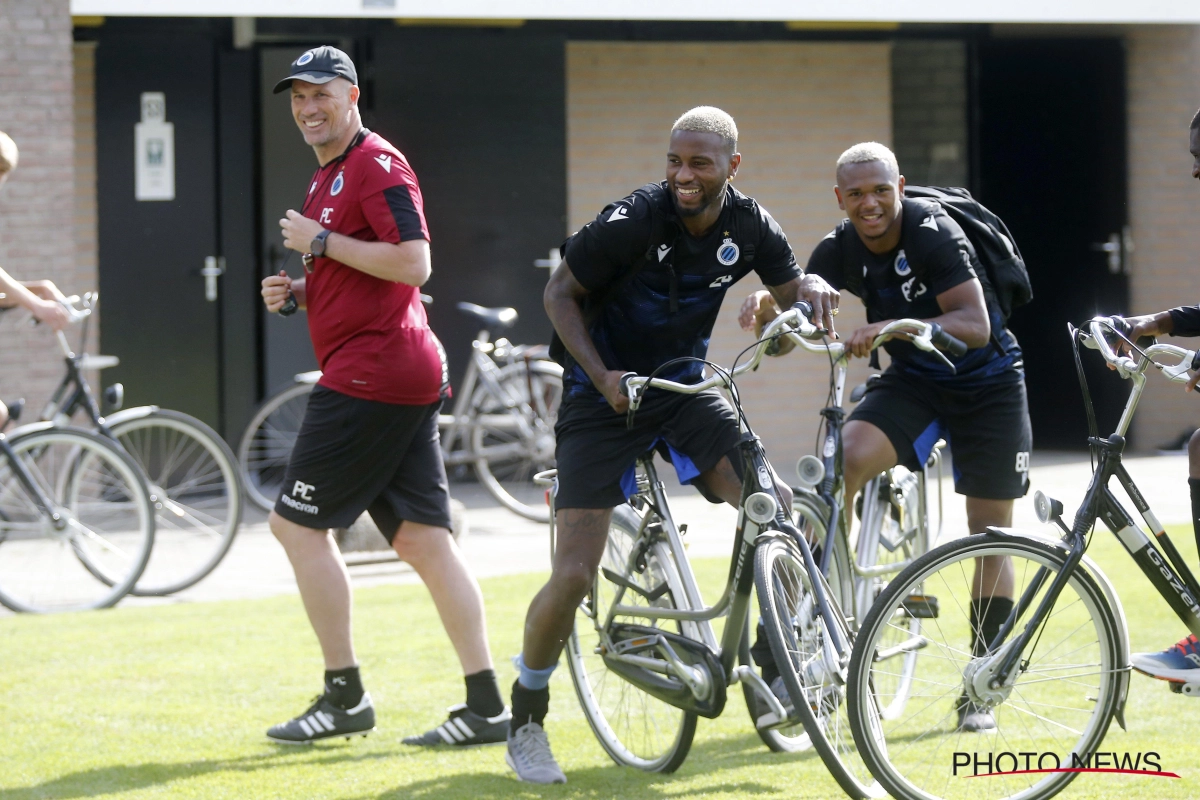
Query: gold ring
834	312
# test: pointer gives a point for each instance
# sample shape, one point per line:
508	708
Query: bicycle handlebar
1126	366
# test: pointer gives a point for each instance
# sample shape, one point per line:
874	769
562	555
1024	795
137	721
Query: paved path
501	543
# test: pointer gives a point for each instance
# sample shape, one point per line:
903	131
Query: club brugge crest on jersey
338	183
902	266
304	59
728	252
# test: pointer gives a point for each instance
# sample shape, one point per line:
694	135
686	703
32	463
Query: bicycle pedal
920	606
1188	689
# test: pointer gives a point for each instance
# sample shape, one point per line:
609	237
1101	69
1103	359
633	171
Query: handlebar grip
944	341
624	387
805	308
1195	361
289	307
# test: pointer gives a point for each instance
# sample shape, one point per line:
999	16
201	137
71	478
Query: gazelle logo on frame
993	765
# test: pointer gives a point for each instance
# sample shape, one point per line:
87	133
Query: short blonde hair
8	154
709	119
868	152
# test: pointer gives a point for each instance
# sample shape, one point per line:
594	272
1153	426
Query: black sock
344	687
1194	487
483	693
988	614
529	705
762	655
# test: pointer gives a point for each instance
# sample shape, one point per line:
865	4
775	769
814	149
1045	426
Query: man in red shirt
369	440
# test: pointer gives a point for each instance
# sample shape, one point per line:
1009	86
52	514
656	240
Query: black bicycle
1057	672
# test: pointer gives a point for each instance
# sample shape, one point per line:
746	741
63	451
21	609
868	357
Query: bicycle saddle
490	318
861	389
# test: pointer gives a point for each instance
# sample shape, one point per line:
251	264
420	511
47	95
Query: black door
1051	162
155	314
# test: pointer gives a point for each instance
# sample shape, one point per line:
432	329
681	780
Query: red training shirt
371	336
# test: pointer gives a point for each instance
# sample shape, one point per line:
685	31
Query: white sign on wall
154	150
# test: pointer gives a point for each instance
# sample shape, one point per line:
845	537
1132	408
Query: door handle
214	267
1113	247
549	263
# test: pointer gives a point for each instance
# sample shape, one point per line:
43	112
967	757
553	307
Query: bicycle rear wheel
96	557
193	476
634	728
267	444
1061	702
803	651
510	444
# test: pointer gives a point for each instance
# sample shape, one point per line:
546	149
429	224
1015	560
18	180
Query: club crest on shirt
338	183
728	252
902	265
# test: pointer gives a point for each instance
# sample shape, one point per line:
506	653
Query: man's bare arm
563	299
406	262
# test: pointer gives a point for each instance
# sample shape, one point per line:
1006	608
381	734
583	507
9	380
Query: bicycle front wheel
198	496
512	434
634	728
93	554
811	669
267	444
1060	701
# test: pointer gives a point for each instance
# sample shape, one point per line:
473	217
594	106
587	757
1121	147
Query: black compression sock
762	655
987	616
1194	487
483	693
344	687
529	705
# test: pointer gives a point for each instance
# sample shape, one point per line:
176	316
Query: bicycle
190	471
893	509
643	687
76	520
1057	672
501	424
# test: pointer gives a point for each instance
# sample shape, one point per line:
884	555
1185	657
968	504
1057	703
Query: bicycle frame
1169	575
44	504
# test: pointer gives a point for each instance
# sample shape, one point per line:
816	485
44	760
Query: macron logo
385	162
620	212
662	251
930	223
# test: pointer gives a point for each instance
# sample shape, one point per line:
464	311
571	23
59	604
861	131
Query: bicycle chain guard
706	694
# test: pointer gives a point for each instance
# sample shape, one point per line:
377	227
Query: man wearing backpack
638	290
907	258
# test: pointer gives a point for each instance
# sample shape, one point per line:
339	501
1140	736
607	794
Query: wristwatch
317	245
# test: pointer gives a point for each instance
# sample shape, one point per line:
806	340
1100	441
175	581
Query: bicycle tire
510	448
810	520
193	474
1081	603
110	532
616	710
800	644
266	445
881	541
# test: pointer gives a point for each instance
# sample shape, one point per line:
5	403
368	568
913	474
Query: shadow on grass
610	780
126	777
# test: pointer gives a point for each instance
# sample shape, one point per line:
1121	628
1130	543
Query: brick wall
1164	201
36	220
929	111
797	105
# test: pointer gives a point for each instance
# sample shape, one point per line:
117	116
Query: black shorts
596	454
987	429
357	455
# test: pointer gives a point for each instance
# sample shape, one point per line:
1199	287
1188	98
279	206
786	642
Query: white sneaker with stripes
324	720
465	728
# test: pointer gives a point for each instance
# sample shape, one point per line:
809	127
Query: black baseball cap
320	65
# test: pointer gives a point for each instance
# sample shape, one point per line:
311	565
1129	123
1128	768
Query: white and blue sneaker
1179	663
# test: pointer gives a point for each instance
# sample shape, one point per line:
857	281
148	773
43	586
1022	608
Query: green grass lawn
173	701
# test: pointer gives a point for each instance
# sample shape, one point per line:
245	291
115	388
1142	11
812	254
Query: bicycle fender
31	427
1114	602
130	413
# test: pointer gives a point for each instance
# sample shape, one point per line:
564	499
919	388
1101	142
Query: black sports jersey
1185	321
636	329
934	255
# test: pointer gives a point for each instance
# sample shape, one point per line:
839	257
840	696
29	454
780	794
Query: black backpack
994	245
665	228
